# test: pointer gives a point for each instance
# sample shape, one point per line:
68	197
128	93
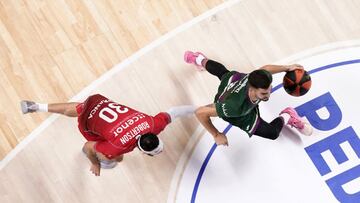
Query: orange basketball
297	82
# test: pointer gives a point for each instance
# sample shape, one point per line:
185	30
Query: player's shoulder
162	116
97	97
233	76
94	99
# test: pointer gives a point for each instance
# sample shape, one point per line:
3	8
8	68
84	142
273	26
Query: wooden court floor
51	50
45	45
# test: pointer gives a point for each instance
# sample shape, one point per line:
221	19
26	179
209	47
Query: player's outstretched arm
89	149
203	114
281	68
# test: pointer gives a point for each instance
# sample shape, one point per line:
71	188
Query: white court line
27	140
181	164
86	91
319	50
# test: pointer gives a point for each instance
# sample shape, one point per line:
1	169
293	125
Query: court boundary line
293	58
125	63
214	146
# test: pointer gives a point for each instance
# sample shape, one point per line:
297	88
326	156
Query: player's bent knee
275	137
119	158
272	135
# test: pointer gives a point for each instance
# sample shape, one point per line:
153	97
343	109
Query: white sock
179	111
42	107
286	117
199	59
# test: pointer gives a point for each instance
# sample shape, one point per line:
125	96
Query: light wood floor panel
45	46
52	168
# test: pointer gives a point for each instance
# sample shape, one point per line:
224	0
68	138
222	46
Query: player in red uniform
112	129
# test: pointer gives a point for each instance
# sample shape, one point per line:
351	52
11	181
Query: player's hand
95	169
294	67
221	139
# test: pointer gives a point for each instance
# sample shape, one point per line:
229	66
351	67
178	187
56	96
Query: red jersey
115	127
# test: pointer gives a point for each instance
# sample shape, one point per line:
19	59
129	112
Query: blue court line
203	166
323	68
212	150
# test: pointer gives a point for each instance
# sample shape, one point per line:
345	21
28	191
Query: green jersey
233	104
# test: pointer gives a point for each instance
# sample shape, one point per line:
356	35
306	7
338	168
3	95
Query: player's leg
202	63
269	130
216	68
180	111
67	109
119	158
287	117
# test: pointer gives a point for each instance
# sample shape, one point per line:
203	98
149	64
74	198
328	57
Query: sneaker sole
186	54
198	67
24	108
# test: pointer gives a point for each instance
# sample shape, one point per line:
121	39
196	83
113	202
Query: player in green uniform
238	97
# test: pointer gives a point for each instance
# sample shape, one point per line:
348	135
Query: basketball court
92	47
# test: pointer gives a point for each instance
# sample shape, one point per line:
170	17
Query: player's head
260	80
150	144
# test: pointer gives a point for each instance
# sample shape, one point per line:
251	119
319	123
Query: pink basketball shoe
190	57
295	121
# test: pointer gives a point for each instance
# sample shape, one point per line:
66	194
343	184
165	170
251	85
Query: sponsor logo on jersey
240	85
131	134
224	110
128	122
96	108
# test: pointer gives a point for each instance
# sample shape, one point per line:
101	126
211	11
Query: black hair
260	79
149	142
